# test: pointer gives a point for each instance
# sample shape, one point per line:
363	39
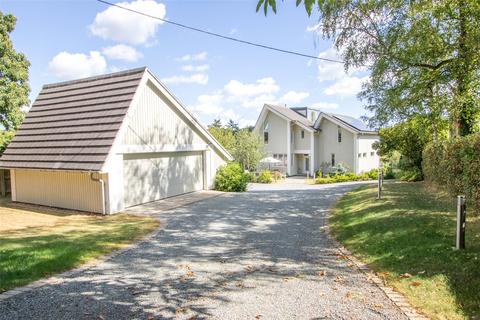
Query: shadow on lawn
410	231
259	238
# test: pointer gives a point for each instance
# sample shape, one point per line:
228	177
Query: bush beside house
231	178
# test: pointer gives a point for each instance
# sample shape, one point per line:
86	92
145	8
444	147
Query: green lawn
412	232
37	242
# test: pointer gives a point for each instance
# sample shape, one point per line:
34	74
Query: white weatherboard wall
328	141
63	189
277	128
299	143
367	161
149	177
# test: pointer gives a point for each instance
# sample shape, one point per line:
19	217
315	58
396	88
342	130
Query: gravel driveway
263	254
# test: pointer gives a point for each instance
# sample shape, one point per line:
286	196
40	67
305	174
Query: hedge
454	166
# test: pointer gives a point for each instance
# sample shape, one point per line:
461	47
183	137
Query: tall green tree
14	88
422	55
232	125
215	124
249	149
224	136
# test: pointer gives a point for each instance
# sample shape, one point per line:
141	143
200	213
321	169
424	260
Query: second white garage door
150	177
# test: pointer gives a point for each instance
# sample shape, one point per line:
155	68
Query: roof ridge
94	78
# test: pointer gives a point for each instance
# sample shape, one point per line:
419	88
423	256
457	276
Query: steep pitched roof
290	114
72	125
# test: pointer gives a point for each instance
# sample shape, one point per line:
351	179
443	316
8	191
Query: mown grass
37	242
411	231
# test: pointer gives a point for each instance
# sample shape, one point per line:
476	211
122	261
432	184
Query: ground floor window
333	160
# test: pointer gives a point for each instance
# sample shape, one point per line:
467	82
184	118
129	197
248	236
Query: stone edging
397	298
86	266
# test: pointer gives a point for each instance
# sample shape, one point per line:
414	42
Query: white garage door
150	177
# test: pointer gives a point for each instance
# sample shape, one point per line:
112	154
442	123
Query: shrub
265	177
277	176
454	166
345	177
231	178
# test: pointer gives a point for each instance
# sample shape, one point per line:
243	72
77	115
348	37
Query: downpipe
102	187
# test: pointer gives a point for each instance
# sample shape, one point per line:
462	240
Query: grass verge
37	242
407	238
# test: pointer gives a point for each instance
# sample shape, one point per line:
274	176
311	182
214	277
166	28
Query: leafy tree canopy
244	145
14	88
423	55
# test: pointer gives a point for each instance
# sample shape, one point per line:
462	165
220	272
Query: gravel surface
263	254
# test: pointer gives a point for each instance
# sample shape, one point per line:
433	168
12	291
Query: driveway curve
263	254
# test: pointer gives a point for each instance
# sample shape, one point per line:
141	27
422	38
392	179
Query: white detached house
305	138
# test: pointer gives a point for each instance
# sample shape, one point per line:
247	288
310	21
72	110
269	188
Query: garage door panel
150	177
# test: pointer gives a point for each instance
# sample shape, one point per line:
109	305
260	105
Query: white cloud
252	95
124	26
294	97
209	104
68	66
122	52
346	86
330	70
192	68
194	57
198	78
314	28
324	105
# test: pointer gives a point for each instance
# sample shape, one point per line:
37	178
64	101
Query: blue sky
214	78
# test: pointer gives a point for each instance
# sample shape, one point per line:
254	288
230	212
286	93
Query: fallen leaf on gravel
322	273
286	279
239	284
339	279
341	256
190	274
350	264
349	295
258	316
377	305
415	283
181	310
383	275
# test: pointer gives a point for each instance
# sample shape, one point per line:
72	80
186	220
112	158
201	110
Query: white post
461	219
355	153
312	157
289	149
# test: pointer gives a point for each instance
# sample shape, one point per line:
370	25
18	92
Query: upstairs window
303	134
339	134
265	132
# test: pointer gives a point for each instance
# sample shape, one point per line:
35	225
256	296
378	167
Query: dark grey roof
352	122
72	125
292	115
